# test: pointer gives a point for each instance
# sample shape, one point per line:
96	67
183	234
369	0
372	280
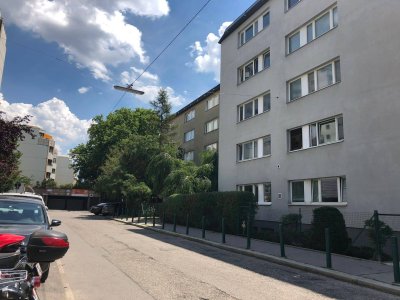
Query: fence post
395	255
203	227
377	236
281	240
174	222
163	220
154	218
145	218
187	224
133	214
248	244
328	248
223	231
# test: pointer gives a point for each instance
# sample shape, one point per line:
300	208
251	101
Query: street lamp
128	89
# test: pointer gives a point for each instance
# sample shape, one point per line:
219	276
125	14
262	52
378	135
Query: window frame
184	136
287	7
256	62
257	28
214	127
210	147
308	129
333	23
309	192
335	65
214	100
256	187
190	115
257	149
191	153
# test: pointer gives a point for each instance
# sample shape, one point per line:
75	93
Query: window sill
246	160
211	107
264	203
211	131
309	43
313	147
319	204
295	100
239	122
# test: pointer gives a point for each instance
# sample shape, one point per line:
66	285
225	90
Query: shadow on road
313	282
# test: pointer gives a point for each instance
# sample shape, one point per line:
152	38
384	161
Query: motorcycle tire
44	276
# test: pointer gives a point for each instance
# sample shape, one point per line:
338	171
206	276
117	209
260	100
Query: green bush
329	217
233	206
291	222
360	252
385	232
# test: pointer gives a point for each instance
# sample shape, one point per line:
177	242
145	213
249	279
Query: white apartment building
310	107
38	160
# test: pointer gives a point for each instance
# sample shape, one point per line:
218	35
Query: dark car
96	209
23	216
109	208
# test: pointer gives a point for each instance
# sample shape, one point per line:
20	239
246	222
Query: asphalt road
111	260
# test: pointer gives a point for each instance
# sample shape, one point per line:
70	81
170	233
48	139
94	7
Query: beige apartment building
196	125
38	160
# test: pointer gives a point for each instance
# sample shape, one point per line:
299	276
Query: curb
364	282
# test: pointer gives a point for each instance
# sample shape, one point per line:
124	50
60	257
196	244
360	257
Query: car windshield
19	212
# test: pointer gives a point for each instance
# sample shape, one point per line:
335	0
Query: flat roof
242	18
201	98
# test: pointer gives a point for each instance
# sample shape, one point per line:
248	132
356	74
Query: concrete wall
201	139
64	172
368	97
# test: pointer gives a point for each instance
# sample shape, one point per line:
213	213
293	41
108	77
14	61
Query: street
111	260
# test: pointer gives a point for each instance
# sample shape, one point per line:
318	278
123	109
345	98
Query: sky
64	56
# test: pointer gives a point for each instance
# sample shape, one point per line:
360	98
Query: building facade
64	171
38	160
196	125
3	40
310	95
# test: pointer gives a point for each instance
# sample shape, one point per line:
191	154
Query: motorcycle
20	271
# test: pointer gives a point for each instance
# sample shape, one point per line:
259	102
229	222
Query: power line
163	50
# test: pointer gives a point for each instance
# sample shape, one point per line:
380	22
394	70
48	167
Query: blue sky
64	56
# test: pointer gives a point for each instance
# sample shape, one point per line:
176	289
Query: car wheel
44	276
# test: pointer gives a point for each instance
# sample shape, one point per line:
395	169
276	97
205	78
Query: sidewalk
371	273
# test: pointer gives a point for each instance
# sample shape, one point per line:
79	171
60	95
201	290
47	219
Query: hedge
233	206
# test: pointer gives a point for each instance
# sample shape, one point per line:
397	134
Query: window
49	162
189	135
211	126
296	139
316	134
190	115
212	147
214	101
54	160
53	171
51	149
254	107
254	149
253	29
291	3
48	175
261	191
318	190
188	156
267	145
294	42
254	66
316	27
315	80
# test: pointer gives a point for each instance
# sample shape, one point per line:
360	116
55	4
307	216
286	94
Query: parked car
24	195
24	216
109	208
96	209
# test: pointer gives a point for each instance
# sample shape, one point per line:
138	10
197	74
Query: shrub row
232	206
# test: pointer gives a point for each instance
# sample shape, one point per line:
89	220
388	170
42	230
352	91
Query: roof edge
242	18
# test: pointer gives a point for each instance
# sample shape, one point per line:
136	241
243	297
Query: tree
107	133
209	158
11	132
162	108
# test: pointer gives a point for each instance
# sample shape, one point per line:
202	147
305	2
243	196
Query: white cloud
150	84
207	58
84	89
93	33
55	117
